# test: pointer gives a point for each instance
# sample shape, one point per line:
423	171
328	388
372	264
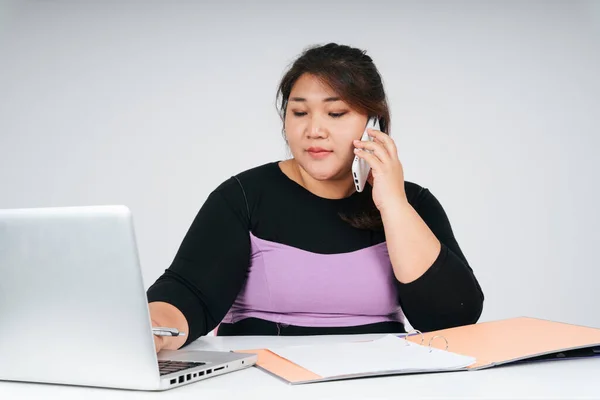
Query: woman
290	248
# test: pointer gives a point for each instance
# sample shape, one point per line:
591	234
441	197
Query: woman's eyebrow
327	99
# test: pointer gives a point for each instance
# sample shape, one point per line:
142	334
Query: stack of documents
469	347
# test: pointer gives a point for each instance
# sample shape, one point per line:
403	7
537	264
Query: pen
164	331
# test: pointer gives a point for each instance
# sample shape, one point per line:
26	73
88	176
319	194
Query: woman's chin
323	171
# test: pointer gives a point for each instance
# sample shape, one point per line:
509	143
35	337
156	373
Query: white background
152	104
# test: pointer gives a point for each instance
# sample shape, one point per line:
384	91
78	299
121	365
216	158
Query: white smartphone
360	168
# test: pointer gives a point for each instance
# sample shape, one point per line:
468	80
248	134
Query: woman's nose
316	131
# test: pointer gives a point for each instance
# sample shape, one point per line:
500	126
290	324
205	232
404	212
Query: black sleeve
447	294
211	265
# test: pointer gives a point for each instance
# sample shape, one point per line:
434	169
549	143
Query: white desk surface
564	379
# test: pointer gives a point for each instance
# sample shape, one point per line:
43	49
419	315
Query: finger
376	148
391	152
371	159
386	140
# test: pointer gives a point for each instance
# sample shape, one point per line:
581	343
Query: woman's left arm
436	285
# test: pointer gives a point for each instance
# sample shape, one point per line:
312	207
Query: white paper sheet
387	354
227	343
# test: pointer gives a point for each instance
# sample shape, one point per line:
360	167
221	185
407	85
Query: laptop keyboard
168	367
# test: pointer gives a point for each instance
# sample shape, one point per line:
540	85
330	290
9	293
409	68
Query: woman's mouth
318	152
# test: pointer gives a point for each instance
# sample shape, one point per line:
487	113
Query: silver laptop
73	309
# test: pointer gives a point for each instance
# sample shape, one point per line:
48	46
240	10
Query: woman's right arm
208	271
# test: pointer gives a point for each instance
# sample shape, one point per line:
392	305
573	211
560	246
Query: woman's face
320	129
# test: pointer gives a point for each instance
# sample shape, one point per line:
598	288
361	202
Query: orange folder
490	343
515	339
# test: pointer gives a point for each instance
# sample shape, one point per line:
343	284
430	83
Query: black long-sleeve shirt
266	256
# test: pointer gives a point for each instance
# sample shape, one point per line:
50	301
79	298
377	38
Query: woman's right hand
164	314
159	341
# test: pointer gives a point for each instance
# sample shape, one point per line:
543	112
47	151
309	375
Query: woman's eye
333	115
336	115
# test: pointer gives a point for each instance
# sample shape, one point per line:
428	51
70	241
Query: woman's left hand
387	174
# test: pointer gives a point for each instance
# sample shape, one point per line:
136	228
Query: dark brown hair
352	75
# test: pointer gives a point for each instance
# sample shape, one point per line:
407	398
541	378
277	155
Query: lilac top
292	286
